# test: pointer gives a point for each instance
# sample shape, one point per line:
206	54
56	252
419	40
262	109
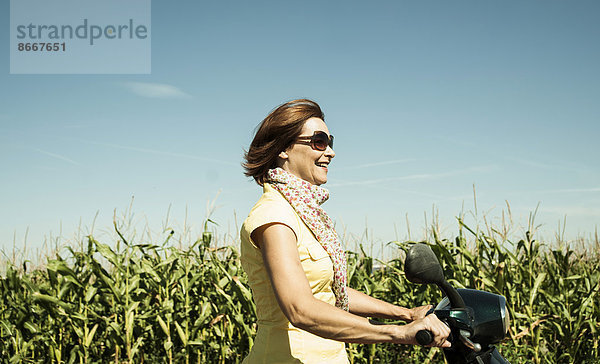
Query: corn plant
126	302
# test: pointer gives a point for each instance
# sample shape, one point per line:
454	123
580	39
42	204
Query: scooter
477	319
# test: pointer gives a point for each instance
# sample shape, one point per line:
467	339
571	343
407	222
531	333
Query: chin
318	183
322	181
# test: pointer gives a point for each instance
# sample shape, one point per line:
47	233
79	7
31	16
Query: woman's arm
367	306
280	255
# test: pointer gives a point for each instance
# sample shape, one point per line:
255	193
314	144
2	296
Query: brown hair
275	134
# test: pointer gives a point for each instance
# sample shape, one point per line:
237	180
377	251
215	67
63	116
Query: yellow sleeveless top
277	340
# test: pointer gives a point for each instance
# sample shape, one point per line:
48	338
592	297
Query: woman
294	260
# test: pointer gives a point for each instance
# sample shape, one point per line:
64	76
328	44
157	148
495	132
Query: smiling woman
294	259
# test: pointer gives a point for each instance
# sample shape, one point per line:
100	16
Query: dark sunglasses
318	141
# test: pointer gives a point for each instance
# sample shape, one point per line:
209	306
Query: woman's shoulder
271	201
271	207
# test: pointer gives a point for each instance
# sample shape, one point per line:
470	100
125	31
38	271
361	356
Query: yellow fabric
277	340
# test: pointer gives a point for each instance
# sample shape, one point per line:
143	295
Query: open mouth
322	165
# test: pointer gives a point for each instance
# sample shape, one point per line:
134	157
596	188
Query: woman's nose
329	152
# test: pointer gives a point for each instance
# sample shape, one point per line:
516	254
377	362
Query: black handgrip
424	337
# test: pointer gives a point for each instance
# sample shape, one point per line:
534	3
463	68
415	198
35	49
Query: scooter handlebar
424	337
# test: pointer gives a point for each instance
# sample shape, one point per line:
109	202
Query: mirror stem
456	300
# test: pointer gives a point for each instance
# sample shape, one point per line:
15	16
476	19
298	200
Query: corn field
151	302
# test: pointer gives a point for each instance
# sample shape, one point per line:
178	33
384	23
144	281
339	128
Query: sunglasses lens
321	141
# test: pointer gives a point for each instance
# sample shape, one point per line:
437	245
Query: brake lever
464	337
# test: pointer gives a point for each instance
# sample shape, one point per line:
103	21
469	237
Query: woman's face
303	161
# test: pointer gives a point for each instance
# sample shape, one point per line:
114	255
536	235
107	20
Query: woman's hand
439	330
419	312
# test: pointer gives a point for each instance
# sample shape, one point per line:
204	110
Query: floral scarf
306	199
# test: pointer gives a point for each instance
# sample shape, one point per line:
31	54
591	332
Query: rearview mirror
422	266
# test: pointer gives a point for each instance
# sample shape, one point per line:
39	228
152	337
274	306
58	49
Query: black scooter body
484	320
477	319
490	356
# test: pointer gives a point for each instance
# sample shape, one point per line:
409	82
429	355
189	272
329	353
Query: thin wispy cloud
418	193
77	125
376	164
551	166
422	176
436	198
572	210
537	164
57	156
156	90
573	190
389	179
493	152
165	153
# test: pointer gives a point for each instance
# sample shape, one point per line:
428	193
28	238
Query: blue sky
425	99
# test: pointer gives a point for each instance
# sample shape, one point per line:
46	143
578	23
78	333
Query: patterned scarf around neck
306	199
